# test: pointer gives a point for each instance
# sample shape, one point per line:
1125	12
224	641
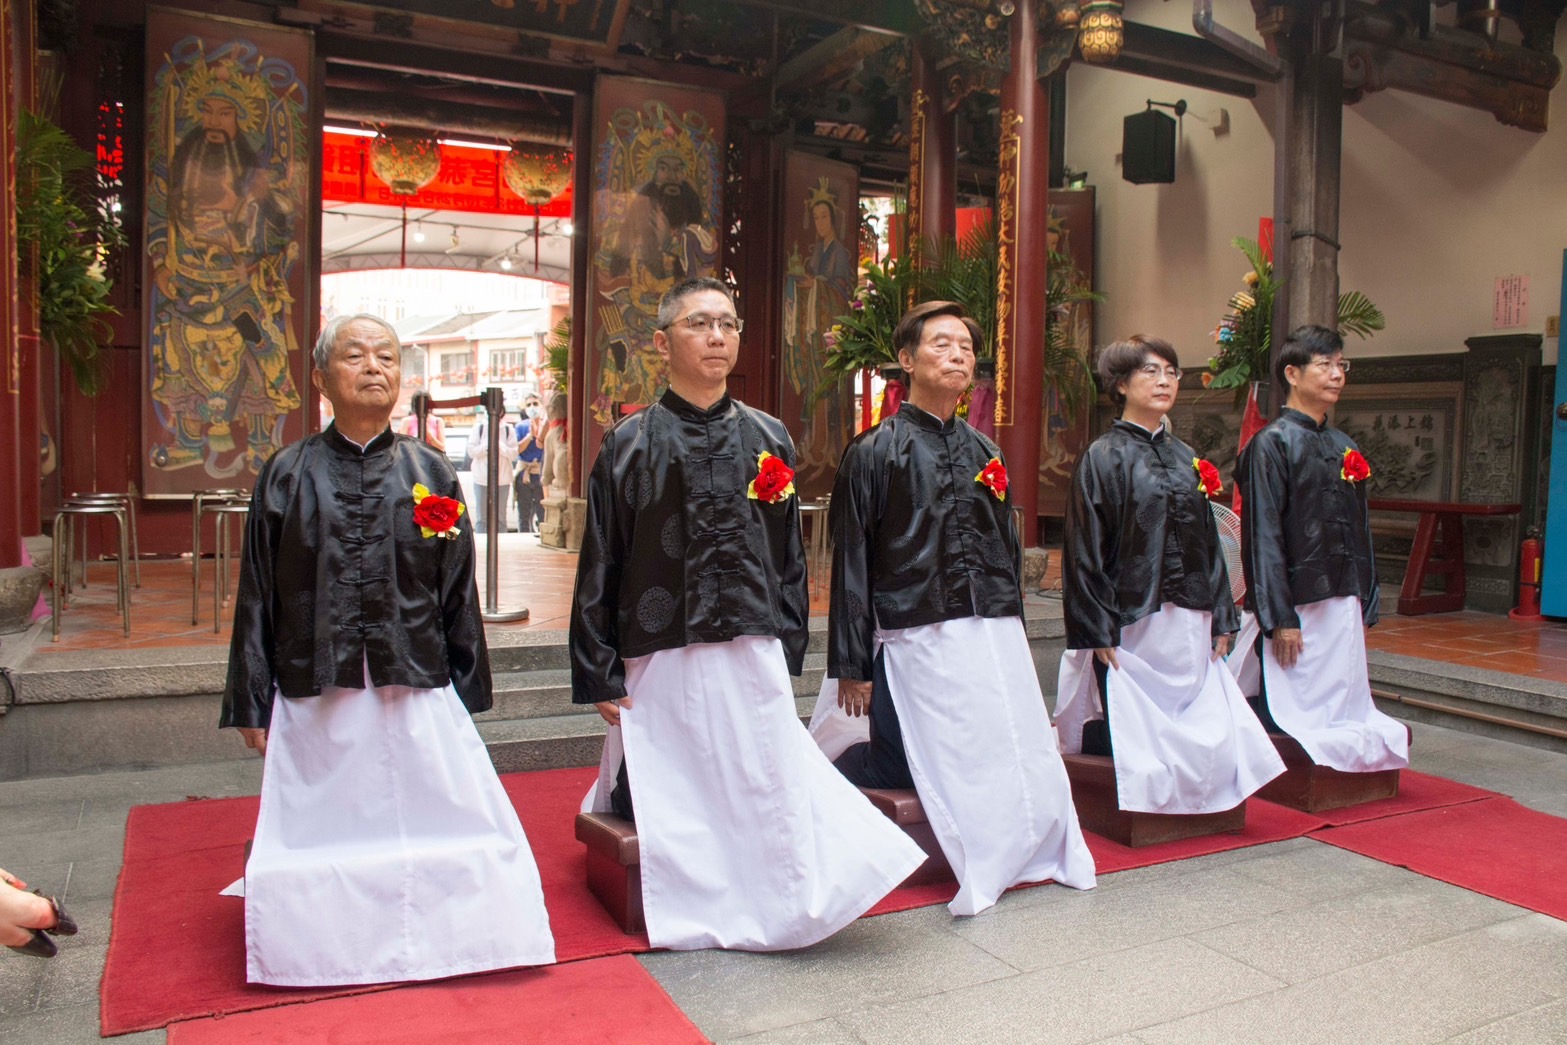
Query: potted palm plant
1245	335
65	229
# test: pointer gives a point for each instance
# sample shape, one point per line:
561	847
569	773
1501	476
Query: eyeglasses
1328	364
700	324
1153	370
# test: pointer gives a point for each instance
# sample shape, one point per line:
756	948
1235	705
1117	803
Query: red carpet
177	948
1494	846
560	1005
176	951
1416	791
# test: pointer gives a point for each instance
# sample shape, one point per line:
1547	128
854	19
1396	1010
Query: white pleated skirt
1185	740
1324	699
982	753
750	839
386	849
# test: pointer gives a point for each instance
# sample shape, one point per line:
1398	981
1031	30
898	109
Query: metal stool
64	535
201	503
818	554
220	583
125	501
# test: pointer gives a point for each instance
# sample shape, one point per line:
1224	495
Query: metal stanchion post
421	407
495	509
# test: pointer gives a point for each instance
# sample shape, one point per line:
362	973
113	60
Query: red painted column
933	156
1022	204
10	340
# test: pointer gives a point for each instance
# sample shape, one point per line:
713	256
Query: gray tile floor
1292	942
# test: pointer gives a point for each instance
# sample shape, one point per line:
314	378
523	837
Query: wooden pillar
1314	141
933	155
1022	205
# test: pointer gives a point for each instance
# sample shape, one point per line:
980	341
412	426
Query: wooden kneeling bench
902	807
1312	788
614	863
1097	799
614	867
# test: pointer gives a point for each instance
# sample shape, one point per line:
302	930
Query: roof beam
829	59
877	16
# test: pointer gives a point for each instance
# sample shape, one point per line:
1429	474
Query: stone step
560	741
95	710
542	694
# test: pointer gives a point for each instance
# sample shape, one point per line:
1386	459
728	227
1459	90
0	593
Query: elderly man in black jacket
1310	578
689	617
926	633
357	607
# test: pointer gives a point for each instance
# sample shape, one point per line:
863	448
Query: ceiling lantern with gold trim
406	161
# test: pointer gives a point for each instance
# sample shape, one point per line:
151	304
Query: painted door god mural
228	164
657	181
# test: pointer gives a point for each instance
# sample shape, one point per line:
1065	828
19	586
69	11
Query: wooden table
1438	551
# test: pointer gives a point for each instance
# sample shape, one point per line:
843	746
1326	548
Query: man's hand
854	697
1106	655
1222	646
1287	644
609	710
255	739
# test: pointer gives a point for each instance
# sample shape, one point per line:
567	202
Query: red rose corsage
1356	469
774	480
993	477
435	515
1208	480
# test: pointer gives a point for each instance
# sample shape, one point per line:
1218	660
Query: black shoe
1096	738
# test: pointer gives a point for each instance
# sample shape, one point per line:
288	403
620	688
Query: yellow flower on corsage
774	480
436	515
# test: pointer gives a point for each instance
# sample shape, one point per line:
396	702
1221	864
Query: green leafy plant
966	271
57	215
1245	334
861	338
557	352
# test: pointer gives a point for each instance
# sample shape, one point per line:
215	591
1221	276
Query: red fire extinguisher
1531	555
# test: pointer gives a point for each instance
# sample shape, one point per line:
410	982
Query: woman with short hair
1148	608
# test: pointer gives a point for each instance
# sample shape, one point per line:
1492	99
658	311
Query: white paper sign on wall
1511	304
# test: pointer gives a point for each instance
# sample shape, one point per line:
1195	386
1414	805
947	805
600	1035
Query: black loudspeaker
1148	148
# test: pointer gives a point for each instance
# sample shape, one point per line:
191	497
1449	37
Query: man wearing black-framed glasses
689	617
1311	580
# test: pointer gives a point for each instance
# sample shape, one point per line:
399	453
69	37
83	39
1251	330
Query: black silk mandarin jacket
675	552
916	539
1139	533
1305	529
336	573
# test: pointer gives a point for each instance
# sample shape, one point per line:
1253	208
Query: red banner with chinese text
470	180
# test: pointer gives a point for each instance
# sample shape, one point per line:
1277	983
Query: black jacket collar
677	405
925	419
348	448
